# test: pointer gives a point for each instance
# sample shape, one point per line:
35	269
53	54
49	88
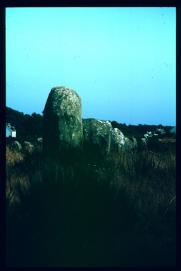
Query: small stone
28	147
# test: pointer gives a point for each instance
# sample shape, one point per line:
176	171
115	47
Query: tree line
30	127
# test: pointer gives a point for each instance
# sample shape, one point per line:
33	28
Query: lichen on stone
65	130
62	120
118	139
98	132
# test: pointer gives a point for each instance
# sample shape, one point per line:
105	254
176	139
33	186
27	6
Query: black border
88	3
2	136
178	132
79	3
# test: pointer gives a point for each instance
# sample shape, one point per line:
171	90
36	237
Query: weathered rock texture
97	134
131	143
16	146
28	147
100	137
65	131
117	140
62	121
39	140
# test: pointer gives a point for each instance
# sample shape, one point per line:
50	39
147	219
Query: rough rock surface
117	140
64	129
102	137
16	146
97	133
39	140
134	143
28	147
129	145
62	121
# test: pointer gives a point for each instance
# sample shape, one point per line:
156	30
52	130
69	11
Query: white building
10	131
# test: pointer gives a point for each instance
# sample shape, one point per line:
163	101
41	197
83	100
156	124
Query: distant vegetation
139	130
29	127
118	210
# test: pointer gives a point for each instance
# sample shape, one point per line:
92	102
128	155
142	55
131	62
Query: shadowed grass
112	211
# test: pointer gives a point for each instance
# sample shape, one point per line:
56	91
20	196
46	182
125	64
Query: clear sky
121	61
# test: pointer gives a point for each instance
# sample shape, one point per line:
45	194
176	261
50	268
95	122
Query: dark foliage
139	130
28	127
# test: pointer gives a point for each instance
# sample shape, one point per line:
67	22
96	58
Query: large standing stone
117	140
129	145
97	134
62	121
100	137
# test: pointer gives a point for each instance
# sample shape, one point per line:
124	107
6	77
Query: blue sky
121	61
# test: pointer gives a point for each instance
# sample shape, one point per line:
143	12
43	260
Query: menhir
62	129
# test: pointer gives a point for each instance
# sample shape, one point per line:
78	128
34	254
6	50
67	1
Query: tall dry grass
112	211
13	157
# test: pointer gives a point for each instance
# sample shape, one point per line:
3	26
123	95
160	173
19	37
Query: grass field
110	211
